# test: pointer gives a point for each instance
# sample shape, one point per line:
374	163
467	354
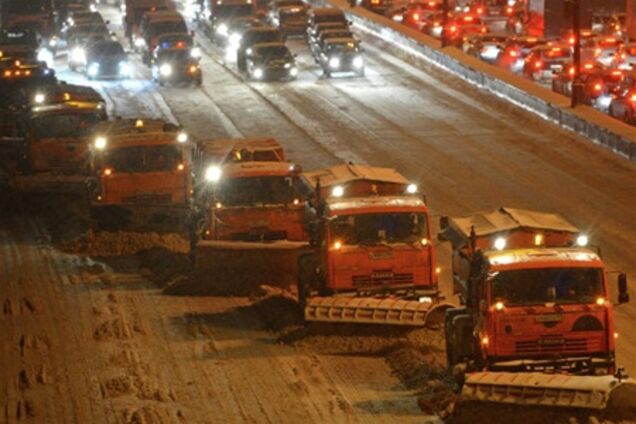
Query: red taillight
509	10
538	64
480	10
572	71
468	18
453	28
598	87
572	40
180	167
632	98
108	171
484	30
416	16
513	53
180	44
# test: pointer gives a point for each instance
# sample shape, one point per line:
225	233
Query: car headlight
93	69
195	52
78	55
140	42
213	174
287	65
39	98
334	63
93	8
293	71
358	62
124	69
165	70
53	42
235	38
222	30
182	137
258	73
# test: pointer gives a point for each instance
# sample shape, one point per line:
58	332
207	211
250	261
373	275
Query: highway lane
468	150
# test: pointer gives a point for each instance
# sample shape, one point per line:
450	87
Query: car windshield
157	158
348	47
64	125
173	55
164	27
107	49
24	7
273	52
546	285
253	37
233	10
246	191
399	227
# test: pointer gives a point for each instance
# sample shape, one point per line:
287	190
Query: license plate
557	68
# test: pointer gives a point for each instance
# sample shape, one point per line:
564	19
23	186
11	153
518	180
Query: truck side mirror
623	294
443	222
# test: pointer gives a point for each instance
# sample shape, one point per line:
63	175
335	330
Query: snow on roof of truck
221	148
544	257
375	202
341	174
132	132
506	219
163	15
257	169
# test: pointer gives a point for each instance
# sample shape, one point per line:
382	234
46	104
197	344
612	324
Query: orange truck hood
274	218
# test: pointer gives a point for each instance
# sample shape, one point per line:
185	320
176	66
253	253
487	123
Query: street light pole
577	86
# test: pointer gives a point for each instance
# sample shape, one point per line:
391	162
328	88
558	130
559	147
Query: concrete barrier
418	48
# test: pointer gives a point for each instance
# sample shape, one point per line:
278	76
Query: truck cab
139	164
371	234
534	296
255	201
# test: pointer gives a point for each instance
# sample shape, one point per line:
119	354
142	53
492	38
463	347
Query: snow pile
122	243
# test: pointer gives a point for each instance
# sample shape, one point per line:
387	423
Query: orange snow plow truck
536	325
141	175
250	208
371	258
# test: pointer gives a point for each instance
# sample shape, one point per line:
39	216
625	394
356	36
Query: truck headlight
53	42
45	55
182	137
195	53
358	62
78	55
500	243
287	65
222	30
39	98
124	69
165	70
235	39
213	174
258	73
334	63
100	143
293	71
93	69
582	240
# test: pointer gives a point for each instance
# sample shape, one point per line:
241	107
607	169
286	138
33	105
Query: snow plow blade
374	311
552	390
248	264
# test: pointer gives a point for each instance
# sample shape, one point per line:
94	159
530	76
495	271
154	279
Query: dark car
222	17
323	15
175	65
599	88
543	62
21	45
236	29
341	55
414	13
21	82
270	61
515	50
623	106
326	26
80	41
485	46
252	36
107	59
562	82
316	47
290	16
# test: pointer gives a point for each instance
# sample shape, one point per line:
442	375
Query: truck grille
551	345
149	199
381	279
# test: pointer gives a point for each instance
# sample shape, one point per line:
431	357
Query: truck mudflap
552	390
366	310
248	265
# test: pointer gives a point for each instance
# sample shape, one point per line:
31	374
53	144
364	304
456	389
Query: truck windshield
164	27
232	11
545	285
402	227
64	125
274	190
160	158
